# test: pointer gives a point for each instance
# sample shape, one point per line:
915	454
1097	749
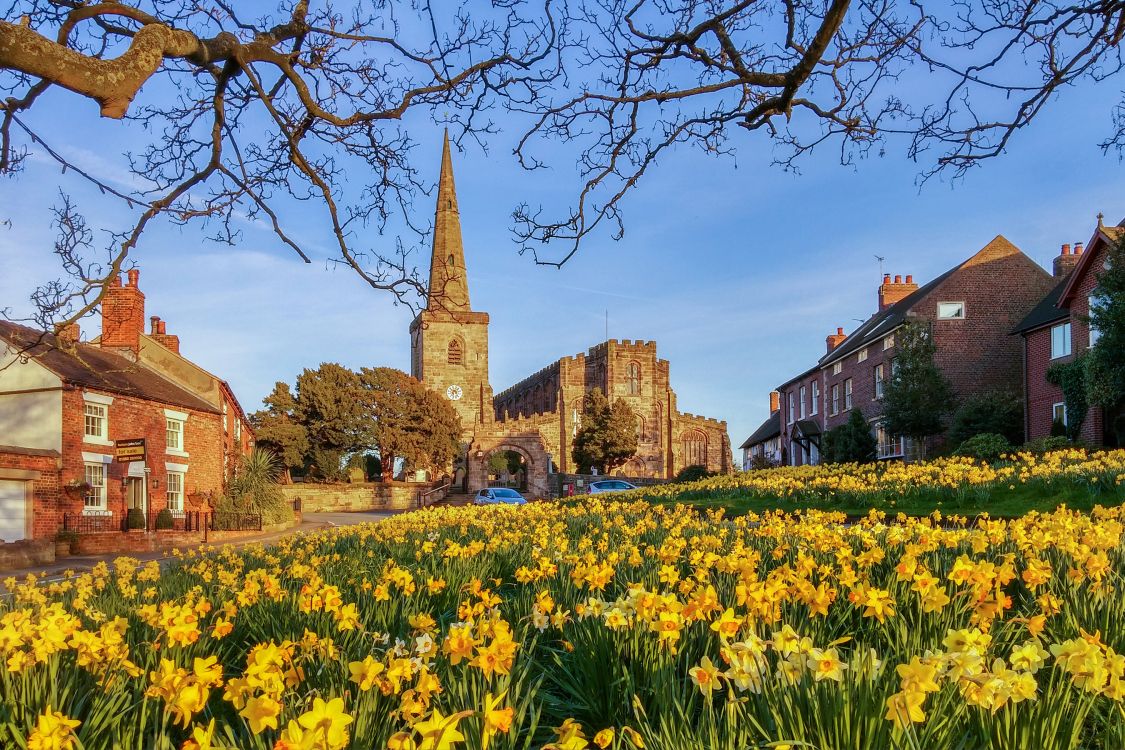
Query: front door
135	493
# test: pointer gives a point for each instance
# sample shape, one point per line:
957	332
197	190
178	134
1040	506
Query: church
539	416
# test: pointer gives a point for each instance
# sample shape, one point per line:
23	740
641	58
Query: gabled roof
769	429
1047	311
885	321
101	369
1102	235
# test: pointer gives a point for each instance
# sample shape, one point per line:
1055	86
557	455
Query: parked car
498	496
610	485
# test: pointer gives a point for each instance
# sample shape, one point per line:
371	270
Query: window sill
176	452
91	440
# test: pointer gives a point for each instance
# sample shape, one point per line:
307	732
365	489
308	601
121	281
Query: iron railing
189	521
80	523
235	522
427	497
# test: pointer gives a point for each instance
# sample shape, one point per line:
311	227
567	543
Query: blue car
499	496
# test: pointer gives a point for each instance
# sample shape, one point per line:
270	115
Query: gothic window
450	262
641	432
455	356
634	378
695	448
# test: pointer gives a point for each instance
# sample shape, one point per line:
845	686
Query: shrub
254	489
135	519
1047	444
993	412
987	446
693	473
164	520
850	442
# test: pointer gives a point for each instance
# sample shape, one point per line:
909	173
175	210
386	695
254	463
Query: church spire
449	287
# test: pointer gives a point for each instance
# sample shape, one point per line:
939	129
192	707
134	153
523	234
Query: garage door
13	510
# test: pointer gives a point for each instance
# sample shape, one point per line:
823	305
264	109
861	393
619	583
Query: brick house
64	403
764	444
970	311
1056	331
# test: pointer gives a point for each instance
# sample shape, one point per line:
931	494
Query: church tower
448	340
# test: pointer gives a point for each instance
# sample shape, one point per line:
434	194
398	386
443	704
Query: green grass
1006	501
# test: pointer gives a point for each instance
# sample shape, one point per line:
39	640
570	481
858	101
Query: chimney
69	334
160	335
891	292
1078	248
1066	260
835	339
123	314
775	402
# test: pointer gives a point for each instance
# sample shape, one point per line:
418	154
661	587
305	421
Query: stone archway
530	447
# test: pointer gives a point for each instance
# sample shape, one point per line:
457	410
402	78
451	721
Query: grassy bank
1012	487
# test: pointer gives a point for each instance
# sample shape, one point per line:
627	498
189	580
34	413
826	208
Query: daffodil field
599	624
958	484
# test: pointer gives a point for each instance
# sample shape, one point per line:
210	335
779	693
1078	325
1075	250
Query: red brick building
1056	331
970	311
62	407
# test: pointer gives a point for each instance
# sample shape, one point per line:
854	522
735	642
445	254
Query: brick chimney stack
70	334
1066	260
160	334
123	314
891	292
835	339
775	402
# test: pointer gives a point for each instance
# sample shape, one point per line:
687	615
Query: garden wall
348	498
25	554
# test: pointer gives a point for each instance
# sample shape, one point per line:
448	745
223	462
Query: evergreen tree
918	397
608	436
329	405
849	442
1105	365
276	429
405	419
993	412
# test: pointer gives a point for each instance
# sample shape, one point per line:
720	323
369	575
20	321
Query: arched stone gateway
530	446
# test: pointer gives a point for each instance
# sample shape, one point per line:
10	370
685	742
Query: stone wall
26	553
349	498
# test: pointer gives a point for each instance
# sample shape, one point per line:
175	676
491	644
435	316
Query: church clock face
453	392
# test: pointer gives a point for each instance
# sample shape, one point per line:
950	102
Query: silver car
499	496
610	485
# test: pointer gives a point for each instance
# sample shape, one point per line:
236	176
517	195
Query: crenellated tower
448	340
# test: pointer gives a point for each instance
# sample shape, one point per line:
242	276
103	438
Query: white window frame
880	380
835	399
91	460
792	407
848	394
888	341
886	447
862	356
1064	340
1094	334
804	391
837	366
815	397
943	307
181	480
170	417
1055	412
97	401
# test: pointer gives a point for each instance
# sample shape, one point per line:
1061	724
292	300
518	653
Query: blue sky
736	269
